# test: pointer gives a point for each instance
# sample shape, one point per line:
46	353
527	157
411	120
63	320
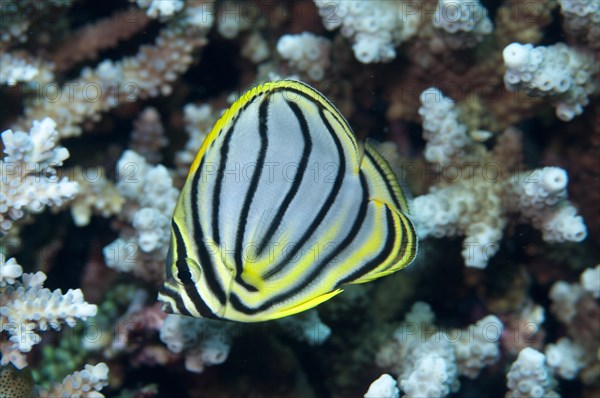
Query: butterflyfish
281	208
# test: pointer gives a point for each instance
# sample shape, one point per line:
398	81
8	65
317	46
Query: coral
70	353
148	135
432	376
466	22
479	189
375	27
524	329
446	136
565	297
150	200
10	355
150	225
529	376
135	332
202	342
87	42
582	145
232	20
28	307
473	74
85	384
147	74
428	360
581	19
563	74
540	195
132	88
19	16
256	48
475	208
307	326
15	383
116	306
307	53
97	195
9	271
590	281
383	387
575	307
516	23
478	348
19	67
14	31
199	121
29	181
160	8
565	357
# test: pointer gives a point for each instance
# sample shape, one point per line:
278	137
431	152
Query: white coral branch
29	181
28	307
85	384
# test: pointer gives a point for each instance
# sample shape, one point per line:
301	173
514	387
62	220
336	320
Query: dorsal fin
361	151
386	156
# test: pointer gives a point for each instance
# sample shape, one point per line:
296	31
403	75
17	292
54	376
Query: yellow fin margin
396	263
304	88
397	191
303	306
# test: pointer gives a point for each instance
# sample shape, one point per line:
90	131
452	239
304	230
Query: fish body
281	208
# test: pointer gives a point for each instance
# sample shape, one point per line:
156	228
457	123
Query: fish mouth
167	308
172	302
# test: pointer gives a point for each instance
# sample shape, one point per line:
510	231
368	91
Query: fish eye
194	268
186	271
182	274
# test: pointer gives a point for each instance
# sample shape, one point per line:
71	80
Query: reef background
141	83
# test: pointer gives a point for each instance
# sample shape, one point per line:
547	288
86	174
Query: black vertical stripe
224	154
381	256
404	238
183	273
320	101
403	243
200	304
185	276
408	229
318	219
318	268
218	186
208	267
260	162
293	190
168	291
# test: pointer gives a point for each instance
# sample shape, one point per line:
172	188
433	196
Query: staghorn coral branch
149	73
84	384
86	43
29	180
28	308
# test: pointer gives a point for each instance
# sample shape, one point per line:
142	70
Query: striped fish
281	208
